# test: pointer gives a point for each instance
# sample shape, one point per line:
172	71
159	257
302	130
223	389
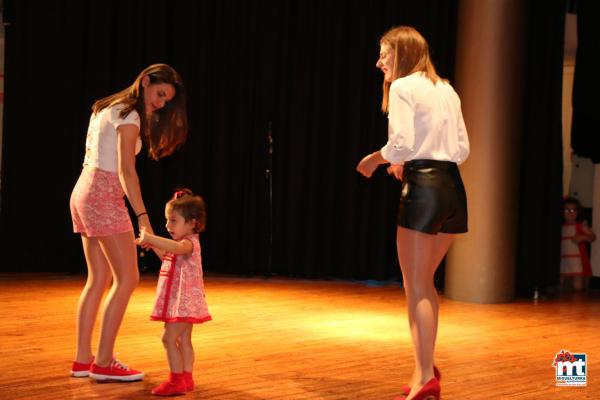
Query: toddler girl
180	300
575	265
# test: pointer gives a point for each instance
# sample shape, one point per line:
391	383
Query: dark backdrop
306	67
540	194
585	138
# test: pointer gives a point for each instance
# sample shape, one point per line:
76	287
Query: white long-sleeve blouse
424	122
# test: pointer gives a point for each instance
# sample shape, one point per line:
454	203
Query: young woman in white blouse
427	138
151	110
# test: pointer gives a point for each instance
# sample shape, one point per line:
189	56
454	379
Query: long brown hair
166	129
411	54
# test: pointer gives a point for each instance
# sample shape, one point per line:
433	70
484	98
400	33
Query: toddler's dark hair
190	206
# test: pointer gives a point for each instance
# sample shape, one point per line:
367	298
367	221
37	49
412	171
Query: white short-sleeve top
425	122
101	142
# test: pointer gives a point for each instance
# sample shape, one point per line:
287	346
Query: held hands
143	239
144	223
145	229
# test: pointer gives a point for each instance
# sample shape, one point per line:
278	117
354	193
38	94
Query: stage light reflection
359	326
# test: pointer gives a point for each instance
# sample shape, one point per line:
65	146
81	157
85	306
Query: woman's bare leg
120	252
98	278
419	255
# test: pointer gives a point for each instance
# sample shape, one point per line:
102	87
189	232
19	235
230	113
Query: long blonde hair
167	128
411	54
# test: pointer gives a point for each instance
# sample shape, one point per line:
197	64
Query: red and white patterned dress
575	258
180	289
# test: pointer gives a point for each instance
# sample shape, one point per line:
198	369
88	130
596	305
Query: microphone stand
269	177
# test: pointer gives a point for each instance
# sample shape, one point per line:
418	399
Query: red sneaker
81	370
115	372
174	386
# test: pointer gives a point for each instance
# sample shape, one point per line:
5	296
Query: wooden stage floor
298	339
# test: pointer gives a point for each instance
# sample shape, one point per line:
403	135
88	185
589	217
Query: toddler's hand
142	239
578	238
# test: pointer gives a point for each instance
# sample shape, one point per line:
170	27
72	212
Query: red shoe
405	390
436	373
189	381
431	391
172	387
81	370
115	372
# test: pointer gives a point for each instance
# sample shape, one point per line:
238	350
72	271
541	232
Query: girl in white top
427	138
425	121
151	110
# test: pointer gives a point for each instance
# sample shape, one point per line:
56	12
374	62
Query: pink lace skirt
97	204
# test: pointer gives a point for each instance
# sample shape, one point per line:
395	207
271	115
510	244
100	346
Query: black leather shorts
433	197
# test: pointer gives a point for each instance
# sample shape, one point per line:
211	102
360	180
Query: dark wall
585	138
540	197
308	67
305	67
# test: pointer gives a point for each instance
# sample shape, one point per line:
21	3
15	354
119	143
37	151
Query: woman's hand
142	238
144	223
396	170
145	228
368	165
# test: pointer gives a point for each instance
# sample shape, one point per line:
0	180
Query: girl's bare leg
187	349
171	341
98	278
120	252
419	255
578	283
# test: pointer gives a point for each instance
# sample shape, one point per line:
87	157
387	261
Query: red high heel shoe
431	391
436	373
